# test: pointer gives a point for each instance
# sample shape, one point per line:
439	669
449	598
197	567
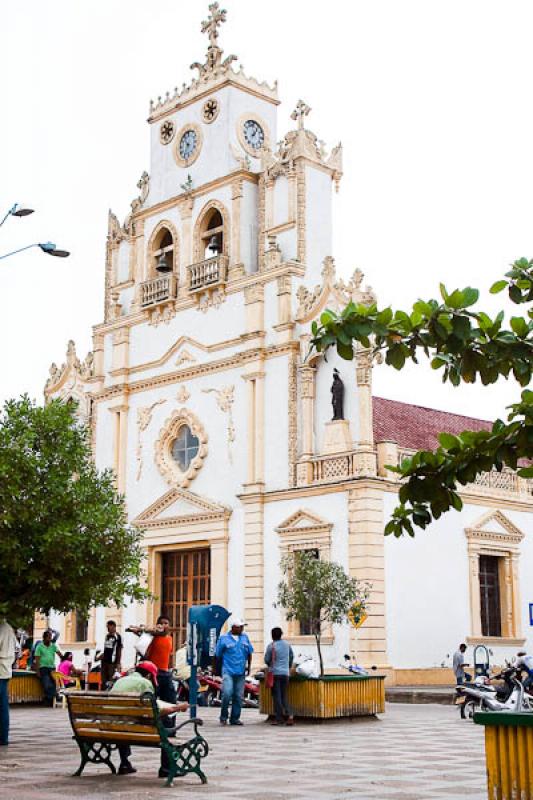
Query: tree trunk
317	639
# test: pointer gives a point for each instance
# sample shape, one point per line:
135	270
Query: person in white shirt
525	663
459	665
8	642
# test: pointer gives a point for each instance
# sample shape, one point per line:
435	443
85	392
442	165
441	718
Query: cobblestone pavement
411	752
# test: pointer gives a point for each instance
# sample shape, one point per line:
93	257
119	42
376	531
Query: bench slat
111	711
118	736
104	725
115	700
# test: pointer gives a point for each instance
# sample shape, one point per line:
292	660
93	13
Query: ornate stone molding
336	293
144	417
254	293
203	510
65	381
480	533
183	394
185	357
211	73
210	299
162	314
225	398
163	455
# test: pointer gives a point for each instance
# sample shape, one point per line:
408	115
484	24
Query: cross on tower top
301	111
211	24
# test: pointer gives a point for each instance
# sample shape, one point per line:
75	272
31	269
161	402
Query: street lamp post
17	211
47	247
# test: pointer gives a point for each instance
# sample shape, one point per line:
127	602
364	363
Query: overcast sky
431	99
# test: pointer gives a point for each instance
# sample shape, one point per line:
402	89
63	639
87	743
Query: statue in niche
337	395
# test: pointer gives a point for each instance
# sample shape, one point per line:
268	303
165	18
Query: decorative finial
301	111
214	62
210	25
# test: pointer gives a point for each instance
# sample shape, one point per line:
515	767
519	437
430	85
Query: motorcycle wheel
468	708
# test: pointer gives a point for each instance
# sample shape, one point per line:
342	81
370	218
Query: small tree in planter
319	593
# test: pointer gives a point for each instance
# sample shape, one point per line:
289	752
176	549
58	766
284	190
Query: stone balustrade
325	469
208	274
158	290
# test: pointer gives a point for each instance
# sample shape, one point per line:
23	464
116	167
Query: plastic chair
62	683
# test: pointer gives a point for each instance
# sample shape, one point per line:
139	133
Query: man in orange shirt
160	653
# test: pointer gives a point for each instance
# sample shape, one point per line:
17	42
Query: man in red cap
144	679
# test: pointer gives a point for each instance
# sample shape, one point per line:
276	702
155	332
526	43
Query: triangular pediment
180	506
495	524
303	520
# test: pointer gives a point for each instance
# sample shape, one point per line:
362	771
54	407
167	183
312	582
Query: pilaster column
236	197
120	440
98	354
307	388
269	203
475	600
254	301
366	560
254	572
516	606
121	347
186	249
219	571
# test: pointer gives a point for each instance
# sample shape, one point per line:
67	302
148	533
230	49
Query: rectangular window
81	630
489	587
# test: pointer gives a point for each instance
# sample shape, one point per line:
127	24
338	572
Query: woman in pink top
66	668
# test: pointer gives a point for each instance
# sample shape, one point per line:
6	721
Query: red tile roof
416	427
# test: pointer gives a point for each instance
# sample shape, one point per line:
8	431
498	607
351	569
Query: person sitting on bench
144	679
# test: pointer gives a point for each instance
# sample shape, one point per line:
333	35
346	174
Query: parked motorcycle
482	695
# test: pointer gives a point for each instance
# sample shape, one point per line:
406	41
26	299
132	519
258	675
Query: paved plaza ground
412	751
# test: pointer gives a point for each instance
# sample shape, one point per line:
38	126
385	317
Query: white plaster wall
104	436
281	200
318	216
108	356
149	343
215	159
276	423
219	478
334	509
287	242
126	299
271	311
249	232
427	589
323	407
123	260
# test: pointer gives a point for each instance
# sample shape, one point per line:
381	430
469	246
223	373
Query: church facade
202	394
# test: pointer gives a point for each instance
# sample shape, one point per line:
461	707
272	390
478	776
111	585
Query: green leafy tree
466	344
319	592
64	538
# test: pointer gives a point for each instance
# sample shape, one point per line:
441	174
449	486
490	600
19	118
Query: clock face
188	143
254	134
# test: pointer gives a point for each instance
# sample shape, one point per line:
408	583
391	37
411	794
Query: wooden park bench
103	720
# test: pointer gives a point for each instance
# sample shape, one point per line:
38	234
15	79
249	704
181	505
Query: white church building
201	394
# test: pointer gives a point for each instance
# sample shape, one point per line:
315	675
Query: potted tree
318	594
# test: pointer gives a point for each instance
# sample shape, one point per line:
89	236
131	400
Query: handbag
269	677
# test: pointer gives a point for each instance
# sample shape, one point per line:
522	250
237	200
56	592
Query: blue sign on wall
531	613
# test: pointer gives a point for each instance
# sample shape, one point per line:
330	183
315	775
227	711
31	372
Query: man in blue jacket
234	651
